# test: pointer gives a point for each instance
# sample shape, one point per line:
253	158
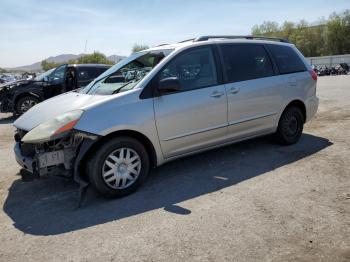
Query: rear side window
245	62
287	59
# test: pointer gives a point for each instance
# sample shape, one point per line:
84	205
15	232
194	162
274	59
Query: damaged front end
56	156
54	147
60	157
5	103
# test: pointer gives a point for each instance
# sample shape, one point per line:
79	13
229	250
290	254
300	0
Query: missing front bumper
63	156
30	163
46	162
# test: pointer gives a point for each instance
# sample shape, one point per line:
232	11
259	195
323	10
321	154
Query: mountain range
58	59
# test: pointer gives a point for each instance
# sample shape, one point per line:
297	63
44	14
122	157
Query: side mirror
169	84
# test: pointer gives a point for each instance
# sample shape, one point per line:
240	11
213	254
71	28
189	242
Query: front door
56	82
196	116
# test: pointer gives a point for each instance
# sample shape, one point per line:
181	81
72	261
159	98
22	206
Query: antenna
85	46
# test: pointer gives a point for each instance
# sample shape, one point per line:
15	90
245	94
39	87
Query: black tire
25	103
95	166
290	126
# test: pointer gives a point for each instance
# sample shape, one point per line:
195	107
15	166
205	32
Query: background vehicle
7	78
339	69
342	68
168	102
19	96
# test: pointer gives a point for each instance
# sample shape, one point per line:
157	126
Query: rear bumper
311	107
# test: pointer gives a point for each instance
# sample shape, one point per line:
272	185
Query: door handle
233	90
217	94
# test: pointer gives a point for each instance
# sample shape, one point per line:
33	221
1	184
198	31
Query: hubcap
27	104
121	168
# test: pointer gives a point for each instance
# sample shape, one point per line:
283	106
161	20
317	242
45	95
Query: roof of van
222	39
89	65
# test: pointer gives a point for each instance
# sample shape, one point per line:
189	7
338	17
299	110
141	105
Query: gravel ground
253	201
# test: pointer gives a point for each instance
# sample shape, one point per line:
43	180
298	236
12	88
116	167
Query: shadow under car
48	206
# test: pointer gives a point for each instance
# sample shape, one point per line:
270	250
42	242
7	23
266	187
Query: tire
25	103
118	182
290	126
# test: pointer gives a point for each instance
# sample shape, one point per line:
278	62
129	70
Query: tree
94	58
326	37
2	70
338	33
46	65
139	47
267	28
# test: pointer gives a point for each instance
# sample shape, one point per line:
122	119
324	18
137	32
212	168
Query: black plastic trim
250	37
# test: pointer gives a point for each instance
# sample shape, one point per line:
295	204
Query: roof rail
187	40
207	37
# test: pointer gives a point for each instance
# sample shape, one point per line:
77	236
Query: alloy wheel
27	104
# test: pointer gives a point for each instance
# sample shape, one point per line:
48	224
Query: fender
19	95
36	95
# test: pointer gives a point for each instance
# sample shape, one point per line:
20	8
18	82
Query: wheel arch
24	94
143	139
298	103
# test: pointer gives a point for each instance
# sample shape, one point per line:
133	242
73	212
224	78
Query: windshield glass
125	75
43	75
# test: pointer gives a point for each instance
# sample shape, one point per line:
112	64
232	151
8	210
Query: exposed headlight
54	128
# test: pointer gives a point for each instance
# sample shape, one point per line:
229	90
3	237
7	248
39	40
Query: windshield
43	75
126	74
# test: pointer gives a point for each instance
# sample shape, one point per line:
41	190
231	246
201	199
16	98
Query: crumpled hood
55	106
16	83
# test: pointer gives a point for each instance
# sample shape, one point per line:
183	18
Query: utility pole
85	46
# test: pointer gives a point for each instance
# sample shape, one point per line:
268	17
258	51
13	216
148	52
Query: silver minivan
168	102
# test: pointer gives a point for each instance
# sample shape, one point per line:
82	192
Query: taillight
313	74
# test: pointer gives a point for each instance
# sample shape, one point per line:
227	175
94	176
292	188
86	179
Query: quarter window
245	62
286	59
194	69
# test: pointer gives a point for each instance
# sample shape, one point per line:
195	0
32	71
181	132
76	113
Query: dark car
18	96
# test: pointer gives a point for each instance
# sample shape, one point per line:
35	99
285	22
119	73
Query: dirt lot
254	201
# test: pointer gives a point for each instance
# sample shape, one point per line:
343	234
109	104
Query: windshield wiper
121	87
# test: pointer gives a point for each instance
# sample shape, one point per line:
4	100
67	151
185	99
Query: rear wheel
25	103
290	126
119	167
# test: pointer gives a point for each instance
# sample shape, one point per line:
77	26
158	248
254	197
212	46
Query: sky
32	30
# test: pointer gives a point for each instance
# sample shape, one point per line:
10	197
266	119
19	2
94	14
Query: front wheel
290	126
25	103
118	167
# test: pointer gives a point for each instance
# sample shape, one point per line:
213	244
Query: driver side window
194	69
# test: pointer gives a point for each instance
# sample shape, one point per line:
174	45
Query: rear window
245	62
287	59
87	73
